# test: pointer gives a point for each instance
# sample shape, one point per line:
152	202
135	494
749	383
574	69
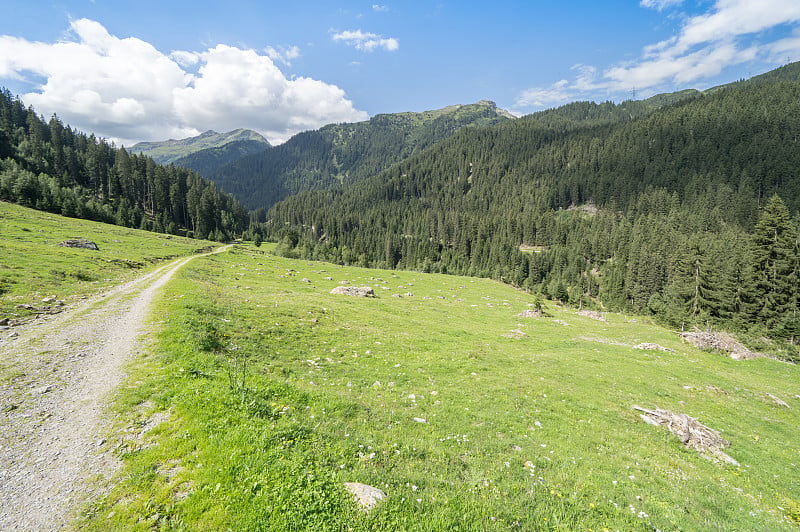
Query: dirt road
55	378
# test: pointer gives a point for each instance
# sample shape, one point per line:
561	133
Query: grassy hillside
171	150
33	266
264	394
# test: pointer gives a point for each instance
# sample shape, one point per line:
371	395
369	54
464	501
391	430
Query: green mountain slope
206	162
171	150
678	190
342	154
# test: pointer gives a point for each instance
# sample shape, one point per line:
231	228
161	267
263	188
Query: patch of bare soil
692	433
56	377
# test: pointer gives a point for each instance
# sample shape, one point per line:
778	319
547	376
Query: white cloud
731	33
380	8
284	54
366	42
558	92
127	90
660	5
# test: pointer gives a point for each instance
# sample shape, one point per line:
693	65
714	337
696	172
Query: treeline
342	154
669	206
51	167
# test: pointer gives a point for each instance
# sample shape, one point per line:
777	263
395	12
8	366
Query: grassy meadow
262	394
33	266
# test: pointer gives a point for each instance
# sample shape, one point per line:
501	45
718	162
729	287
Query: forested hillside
51	167
206	162
343	154
683	211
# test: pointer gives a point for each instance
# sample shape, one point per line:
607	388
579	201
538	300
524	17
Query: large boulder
83	243
357	291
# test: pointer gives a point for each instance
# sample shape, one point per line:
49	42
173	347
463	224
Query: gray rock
365	495
83	243
357	291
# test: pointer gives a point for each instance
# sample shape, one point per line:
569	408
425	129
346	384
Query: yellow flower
591	505
552	492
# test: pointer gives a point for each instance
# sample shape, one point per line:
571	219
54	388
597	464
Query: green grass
528	425
33	266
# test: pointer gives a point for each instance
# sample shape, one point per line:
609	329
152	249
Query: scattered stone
529	314
83	243
419	420
720	342
593	314
357	291
515	334
25	306
41	390
396	295
101	442
305	280
693	434
516	448
365	495
653	347
4	322
777	401
344	282
329	278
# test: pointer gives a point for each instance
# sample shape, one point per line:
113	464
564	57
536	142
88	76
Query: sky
152	70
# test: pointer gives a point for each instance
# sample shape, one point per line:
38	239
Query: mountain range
215	146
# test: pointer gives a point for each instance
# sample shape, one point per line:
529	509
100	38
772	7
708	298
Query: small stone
419	420
305	280
516	448
41	390
365	495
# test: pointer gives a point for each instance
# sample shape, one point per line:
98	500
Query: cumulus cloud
127	90
380	8
732	32
366	42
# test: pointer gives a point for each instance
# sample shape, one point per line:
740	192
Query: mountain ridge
169	151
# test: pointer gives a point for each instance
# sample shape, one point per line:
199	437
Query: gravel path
55	378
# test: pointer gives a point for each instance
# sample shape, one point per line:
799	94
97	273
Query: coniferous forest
686	211
49	166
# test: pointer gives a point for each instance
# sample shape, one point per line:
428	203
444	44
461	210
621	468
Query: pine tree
773	261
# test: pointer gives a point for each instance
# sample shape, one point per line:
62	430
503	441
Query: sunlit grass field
262	394
33	266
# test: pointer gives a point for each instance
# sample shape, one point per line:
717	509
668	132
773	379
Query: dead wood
692	433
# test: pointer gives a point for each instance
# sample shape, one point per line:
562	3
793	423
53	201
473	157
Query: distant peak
209	133
487	103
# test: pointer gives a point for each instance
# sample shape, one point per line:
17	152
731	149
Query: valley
257	394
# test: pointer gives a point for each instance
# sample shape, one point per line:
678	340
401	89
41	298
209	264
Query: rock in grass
365	495
358	291
83	243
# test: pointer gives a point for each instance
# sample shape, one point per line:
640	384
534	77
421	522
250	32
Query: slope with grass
33	266
171	150
265	393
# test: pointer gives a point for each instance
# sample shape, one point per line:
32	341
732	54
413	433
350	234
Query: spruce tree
773	261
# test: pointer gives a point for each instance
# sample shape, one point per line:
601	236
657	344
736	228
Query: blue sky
149	70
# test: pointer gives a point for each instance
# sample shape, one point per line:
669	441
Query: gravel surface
55	378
